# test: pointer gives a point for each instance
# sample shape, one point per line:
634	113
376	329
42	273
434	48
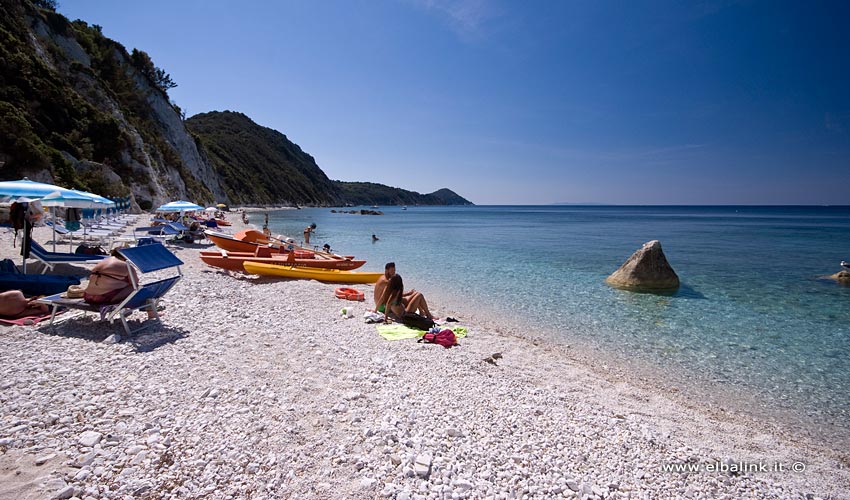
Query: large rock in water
842	277
647	269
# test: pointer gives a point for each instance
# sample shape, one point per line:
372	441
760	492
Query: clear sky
525	102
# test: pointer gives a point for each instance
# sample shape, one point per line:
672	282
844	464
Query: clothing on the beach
105	298
401	332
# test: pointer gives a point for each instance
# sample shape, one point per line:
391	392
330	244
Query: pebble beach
259	388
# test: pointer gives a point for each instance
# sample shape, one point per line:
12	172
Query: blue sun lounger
145	297
50	259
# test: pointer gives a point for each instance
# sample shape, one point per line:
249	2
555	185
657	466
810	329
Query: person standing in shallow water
307	231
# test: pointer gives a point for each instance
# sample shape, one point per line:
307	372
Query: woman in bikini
110	281
394	303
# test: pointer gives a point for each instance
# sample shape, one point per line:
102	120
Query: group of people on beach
111	281
391	299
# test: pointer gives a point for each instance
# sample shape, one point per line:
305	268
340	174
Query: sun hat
74	292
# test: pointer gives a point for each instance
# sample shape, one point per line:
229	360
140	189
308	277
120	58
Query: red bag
445	338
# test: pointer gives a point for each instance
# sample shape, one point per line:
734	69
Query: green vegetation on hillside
370	193
40	116
52	104
259	165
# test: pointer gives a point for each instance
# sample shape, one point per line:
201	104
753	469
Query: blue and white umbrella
69	199
12	190
179	206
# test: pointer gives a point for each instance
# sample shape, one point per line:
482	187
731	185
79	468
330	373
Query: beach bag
414	320
18	213
90	250
445	338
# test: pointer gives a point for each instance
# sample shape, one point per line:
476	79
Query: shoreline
726	403
321	407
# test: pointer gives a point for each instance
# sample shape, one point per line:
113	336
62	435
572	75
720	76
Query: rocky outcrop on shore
646	270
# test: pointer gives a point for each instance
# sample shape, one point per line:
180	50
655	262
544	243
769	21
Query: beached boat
231	244
260	238
233	261
311	273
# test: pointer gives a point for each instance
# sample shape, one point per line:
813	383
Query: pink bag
445	338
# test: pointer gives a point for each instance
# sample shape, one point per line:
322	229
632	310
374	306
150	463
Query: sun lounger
50	259
32	284
145	297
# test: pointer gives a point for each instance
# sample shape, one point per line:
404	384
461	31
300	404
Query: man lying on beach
14	305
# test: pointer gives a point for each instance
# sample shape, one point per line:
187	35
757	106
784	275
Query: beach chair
159	233
144	297
50	259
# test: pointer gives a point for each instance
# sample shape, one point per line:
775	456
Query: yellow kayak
313	273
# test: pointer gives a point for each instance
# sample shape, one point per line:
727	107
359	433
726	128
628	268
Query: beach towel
396	331
400	332
26	320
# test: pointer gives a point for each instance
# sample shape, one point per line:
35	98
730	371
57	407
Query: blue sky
537	102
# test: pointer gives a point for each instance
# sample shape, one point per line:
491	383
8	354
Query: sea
754	328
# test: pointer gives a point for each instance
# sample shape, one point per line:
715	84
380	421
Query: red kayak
231	244
234	261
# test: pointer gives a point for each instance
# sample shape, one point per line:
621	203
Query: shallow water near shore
751	319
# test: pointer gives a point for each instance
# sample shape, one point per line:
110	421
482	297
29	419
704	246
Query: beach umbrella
211	209
28	189
179	206
71	198
25	190
68	199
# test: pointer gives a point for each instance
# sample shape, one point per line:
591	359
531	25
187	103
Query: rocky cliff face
92	119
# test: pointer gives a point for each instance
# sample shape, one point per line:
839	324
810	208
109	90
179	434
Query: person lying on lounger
109	282
14	305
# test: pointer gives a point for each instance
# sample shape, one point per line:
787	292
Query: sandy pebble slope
255	388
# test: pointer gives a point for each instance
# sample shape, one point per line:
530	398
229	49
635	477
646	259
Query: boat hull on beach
233	261
309	273
231	244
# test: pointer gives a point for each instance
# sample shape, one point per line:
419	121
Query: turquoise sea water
752	318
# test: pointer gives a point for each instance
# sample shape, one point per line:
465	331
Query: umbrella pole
24	247
53	225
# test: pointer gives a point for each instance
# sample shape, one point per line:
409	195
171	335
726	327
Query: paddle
278	239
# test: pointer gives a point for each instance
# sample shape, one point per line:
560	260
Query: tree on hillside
46	4
163	80
157	76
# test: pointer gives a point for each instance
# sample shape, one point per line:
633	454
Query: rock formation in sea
843	277
646	270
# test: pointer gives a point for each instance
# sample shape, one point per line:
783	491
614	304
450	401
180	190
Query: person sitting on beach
391	303
14	305
394	302
380	285
411	301
110	281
